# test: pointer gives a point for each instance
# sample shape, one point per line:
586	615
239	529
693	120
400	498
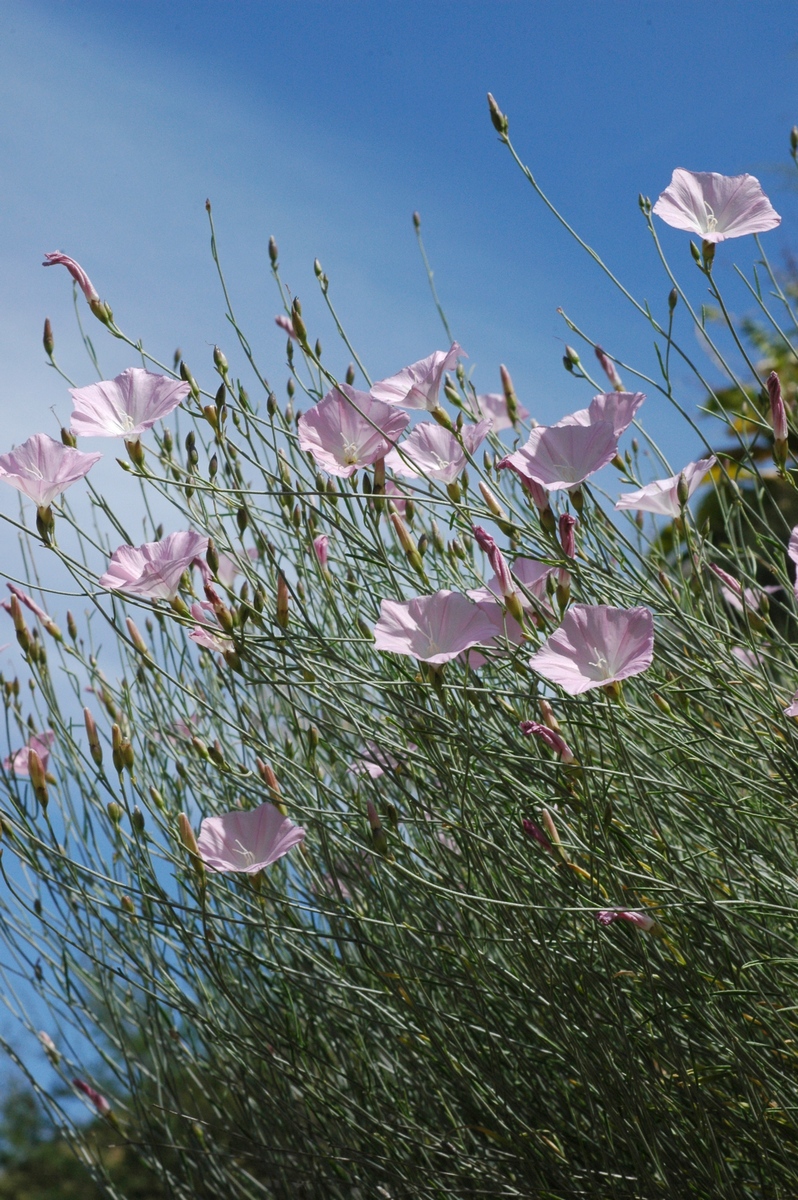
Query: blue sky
327	124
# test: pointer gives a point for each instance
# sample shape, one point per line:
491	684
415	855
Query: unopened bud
379	839
297	322
212	557
673	298
282	601
682	489
416	221
137	820
95	746
609	369
50	1048
47	340
114	811
570	358
509	394
67	437
38	777
136	638
350	374
273	251
190	843
219	361
498	118
548	717
116	748
128	905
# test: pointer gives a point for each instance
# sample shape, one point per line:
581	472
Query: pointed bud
547	714
273	251
492	503
778	418
379	839
417	221
609	369
189	841
282	601
551	739
673	299
95	746
114	811
219	361
116	748
498	118
47	339
136	638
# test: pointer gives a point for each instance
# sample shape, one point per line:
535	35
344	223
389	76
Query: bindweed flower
247	841
564	455
42	468
536	833
595	645
662	496
348	430
553	740
609	369
792	709
496	559
433	629
417	386
507	633
641	920
533	577
741	599
434	452
493	406
57	259
99	1102
125	406
716	207
154	569
320	548
208	638
18	763
286	325
619	408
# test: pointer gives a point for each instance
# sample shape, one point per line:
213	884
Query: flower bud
609	369
67	437
137	820
114	811
551	739
673	299
116	748
282	601
99	1102
379	839
547	714
510	397
219	361
136	638
38	778
778	418
47	339
128	905
190	843
536	833
417	221
72	628
50	1048
95	747
298	323
498	118
273	252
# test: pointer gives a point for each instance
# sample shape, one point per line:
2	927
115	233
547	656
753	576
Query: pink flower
99	1102
154	569
537	493
397	497
619	408
532	575
286	324
496	559
320	546
247	841
564	455
536	833
125	406
596	644
553	740
29	603
662	496
341	438
42	468
792	709
741	599
506	632
434	452
76	271
417	386
641	920
209	639
493	405
378	761
715	206
40	743
609	369
433	629
229	567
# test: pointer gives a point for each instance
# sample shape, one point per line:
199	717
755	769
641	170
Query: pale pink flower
29	603
639	919
493	405
208	638
229	566
376	761
553	740
286	324
153	569
320	548
496	559
619	408
609	368
564	455
434	452
741	599
746	658
792	709
596	644
532	575
506	632
348	430
662	496
417	386
42	468
716	207
433	629
537	493
40	743
76	271
247	841
397	497
125	406
99	1102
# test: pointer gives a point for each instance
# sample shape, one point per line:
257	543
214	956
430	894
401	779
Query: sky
326	124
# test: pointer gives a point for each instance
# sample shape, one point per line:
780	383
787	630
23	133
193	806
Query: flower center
710	218
247	855
350	452
602	665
